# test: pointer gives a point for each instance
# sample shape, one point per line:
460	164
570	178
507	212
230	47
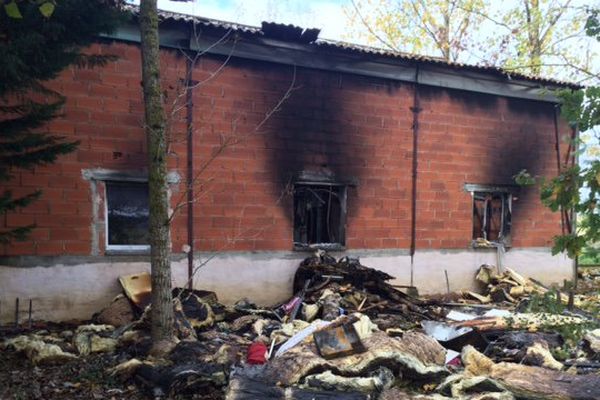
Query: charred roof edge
250	44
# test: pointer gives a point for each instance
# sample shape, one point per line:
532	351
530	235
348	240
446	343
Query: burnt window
492	216
319	216
127	215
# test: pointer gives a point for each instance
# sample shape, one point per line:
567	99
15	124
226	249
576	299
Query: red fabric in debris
454	362
257	353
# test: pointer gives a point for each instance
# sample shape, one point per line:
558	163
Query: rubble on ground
346	333
532	382
94	339
511	287
118	313
39	351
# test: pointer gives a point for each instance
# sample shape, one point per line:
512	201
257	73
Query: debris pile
346	333
511	287
327	288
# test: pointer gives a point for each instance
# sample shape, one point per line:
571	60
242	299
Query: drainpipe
416	109
558	166
190	169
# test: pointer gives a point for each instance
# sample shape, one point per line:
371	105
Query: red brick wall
359	128
468	137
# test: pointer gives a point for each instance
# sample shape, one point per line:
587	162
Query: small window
127	214
319	216
492	213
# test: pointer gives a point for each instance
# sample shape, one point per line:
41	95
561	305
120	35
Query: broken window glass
127	213
492	216
319	216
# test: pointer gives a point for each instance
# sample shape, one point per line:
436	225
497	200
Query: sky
330	16
327	15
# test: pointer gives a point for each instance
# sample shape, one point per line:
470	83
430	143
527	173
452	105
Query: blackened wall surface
348	127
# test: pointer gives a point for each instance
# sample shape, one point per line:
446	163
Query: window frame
97	177
120	248
337	246
508	191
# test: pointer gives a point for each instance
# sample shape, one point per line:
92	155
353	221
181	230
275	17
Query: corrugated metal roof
346	47
208	22
368	50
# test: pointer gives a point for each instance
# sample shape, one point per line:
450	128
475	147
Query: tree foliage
442	28
565	192
12	8
543	37
45	7
35	49
576	189
537	37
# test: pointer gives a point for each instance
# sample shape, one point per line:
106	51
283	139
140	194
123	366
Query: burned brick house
291	143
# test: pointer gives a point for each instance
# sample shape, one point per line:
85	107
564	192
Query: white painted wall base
66	292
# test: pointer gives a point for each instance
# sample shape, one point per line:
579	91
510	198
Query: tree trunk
533	17
445	31
162	308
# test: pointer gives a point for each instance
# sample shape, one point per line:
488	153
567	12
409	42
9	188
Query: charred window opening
492	214
319	216
127	214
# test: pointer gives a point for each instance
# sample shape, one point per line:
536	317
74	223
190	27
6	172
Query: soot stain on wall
317	131
516	141
513	142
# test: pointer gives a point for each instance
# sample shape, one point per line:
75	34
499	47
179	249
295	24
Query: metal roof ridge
360	48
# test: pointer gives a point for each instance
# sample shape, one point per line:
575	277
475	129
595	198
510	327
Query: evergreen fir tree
34	49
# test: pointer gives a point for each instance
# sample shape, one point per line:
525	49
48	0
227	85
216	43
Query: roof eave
249	44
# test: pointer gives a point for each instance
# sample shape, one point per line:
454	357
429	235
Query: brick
64	181
115	105
61	126
87	75
62	208
272	244
129	120
39	234
34	180
97	117
49	248
37	207
390	243
77	114
20	248
103	91
78	247
116	79
67	233
357	127
14	220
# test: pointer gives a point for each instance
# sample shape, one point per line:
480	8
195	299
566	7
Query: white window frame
104	175
121	248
